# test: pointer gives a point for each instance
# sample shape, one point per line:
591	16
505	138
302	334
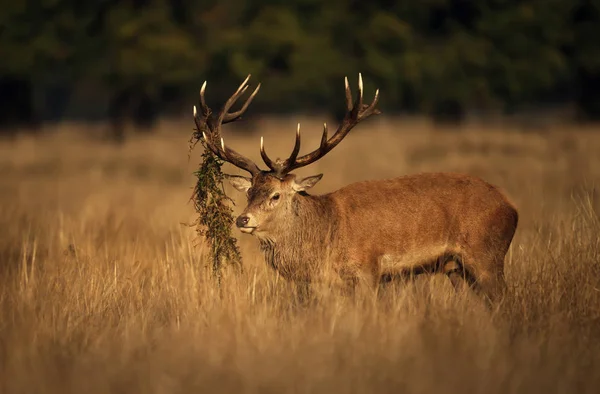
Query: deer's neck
301	245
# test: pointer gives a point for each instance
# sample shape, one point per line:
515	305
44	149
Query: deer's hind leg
466	276
492	285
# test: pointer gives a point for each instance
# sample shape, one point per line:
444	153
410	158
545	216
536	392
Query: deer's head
271	193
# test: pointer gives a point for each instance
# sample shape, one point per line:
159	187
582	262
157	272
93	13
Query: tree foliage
433	56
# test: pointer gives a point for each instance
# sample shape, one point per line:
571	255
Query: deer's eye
275	197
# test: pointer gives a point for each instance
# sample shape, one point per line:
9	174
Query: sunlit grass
104	287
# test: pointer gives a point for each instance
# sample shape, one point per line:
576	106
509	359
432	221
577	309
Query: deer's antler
355	113
209	126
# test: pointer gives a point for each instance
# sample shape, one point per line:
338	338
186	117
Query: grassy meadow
104	287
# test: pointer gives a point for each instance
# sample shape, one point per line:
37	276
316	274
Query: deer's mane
300	245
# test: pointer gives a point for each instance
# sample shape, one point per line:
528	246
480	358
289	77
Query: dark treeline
138	59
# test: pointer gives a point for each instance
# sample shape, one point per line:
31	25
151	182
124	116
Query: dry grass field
104	288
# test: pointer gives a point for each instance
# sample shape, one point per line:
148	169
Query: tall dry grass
103	289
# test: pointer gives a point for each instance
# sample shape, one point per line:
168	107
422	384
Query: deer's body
373	230
379	229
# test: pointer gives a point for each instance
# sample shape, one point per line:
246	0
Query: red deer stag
368	231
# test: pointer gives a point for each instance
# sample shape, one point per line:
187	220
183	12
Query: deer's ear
241	183
307	183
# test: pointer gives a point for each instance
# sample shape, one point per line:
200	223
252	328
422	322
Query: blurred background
136	61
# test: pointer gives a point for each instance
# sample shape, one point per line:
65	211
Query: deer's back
413	213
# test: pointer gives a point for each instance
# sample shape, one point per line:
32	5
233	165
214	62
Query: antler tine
278	167
204	107
231	101
296	149
375	99
348	95
230	117
359	99
370	109
324	136
200	128
265	157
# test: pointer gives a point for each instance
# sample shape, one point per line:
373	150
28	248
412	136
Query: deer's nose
242	221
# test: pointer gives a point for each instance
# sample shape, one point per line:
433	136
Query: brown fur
376	230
